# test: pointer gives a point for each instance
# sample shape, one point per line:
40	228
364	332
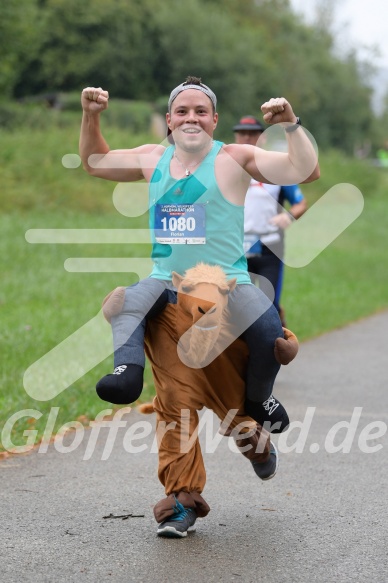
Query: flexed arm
298	165
302	158
97	158
93	101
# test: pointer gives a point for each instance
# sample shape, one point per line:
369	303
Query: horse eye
200	310
186	288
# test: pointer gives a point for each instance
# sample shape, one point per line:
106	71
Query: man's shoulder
232	148
150	154
239	152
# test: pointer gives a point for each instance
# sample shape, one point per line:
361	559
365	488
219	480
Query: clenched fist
94	99
278	110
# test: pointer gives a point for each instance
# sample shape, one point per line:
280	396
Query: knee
269	325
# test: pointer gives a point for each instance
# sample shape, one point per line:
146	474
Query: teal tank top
191	221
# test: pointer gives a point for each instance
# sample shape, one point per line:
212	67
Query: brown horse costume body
196	363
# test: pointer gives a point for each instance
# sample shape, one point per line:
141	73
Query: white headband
183	86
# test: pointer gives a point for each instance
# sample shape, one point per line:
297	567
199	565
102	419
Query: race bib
180	224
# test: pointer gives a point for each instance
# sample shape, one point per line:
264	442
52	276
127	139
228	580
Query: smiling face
192	120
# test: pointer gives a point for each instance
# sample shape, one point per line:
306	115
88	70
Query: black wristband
294	126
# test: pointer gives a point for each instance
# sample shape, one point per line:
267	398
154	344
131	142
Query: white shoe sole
171	532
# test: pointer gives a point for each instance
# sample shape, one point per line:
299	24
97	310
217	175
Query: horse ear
232	284
176	279
228	287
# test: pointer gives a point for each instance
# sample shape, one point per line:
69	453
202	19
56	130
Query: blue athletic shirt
191	221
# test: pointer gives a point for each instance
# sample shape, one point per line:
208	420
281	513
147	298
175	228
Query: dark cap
248	123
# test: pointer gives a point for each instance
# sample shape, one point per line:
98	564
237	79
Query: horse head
202	298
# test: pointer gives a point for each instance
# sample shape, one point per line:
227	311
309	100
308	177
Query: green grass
41	303
349	279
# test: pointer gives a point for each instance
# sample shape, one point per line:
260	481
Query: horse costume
196	363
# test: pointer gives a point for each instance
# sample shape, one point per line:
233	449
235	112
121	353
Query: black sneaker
267	470
178	525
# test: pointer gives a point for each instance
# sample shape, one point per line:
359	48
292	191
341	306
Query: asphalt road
323	518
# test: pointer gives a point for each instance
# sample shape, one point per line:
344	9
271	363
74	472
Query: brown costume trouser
181	392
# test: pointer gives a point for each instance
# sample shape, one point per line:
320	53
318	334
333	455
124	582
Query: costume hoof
286	348
113	303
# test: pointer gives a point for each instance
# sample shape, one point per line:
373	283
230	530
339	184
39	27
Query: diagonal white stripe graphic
62	366
139	265
330	216
88	236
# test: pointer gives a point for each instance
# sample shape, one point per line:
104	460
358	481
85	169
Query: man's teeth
191	131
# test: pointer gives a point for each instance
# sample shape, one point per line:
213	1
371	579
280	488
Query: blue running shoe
267	470
179	524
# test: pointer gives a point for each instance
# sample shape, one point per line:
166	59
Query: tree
139	49
20	33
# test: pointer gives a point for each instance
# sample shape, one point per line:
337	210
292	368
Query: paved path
323	518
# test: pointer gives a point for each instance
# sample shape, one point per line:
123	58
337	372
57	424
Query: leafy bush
122	113
64	109
132	115
36	115
17	115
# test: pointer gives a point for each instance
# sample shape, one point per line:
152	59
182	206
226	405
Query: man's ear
176	279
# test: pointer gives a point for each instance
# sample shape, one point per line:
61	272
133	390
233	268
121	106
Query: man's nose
192	116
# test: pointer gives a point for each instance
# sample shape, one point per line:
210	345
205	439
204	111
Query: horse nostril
202	311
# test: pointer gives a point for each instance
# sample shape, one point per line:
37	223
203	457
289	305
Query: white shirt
261	204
